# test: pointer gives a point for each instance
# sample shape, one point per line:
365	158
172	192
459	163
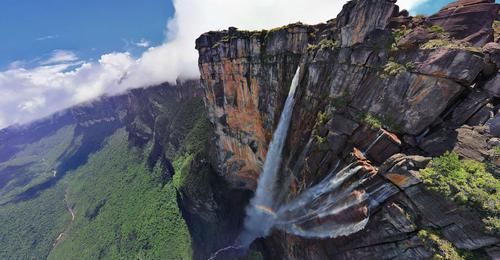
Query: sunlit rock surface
405	87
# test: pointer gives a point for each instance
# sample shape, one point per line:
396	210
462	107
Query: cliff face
401	88
247	75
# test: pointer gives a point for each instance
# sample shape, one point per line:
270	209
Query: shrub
372	120
496	30
393	68
441	248
492	224
321	142
340	101
312	47
327	44
419	17
446	42
468	183
400	32
323	117
254	255
437	29
410	65
496	151
375	121
323	45
284	27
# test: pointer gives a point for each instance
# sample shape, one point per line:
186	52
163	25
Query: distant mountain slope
96	181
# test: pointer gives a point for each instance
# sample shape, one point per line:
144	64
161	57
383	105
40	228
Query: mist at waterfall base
318	212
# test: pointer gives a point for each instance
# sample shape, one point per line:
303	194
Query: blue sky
432	6
55	54
31	29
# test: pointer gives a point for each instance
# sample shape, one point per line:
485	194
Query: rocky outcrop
375	86
360	20
468	20
245	76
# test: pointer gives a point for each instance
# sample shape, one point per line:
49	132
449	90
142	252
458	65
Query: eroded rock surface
365	93
468	20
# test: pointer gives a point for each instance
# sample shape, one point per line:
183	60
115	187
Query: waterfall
320	211
336	206
260	213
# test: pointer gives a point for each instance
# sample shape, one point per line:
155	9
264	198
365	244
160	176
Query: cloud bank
64	80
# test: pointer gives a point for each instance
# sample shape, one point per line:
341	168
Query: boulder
468	20
359	19
471	144
455	64
415	38
493	252
494	126
492	52
402	170
468	106
481	116
438	142
377	145
493	86
342	125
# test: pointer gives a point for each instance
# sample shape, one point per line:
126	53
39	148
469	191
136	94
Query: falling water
320	211
214	255
333	207
380	134
260	213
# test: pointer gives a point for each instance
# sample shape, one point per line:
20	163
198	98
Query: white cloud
411	4
47	37
17	64
63	80
143	43
3	122
60	56
178	58
28	94
32	104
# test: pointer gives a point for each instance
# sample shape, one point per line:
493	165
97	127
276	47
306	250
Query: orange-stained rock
246	80
402	180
